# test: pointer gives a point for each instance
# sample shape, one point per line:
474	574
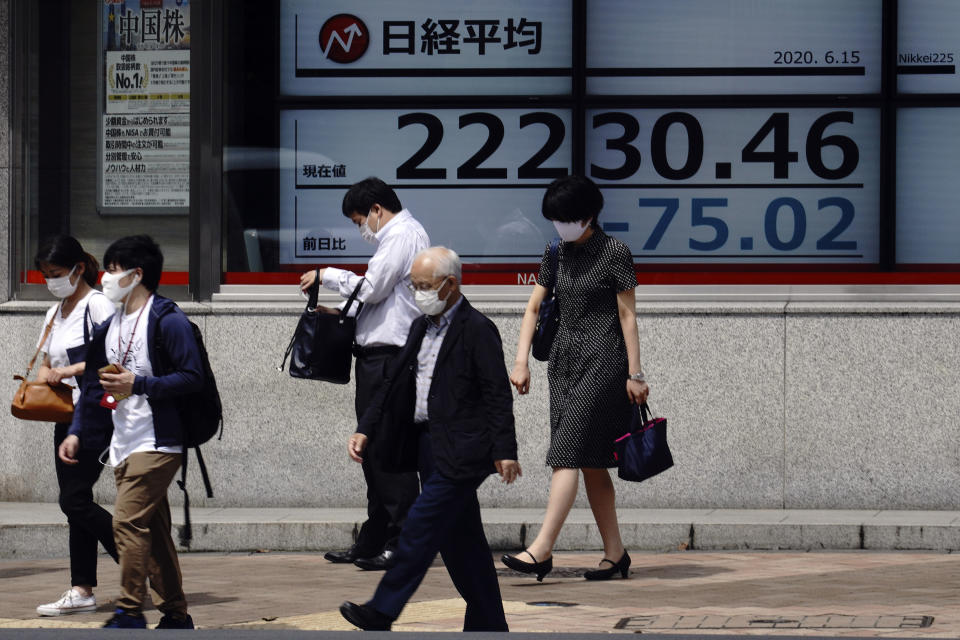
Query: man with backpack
129	397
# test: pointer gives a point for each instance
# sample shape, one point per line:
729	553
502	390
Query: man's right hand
356	446
68	450
307	279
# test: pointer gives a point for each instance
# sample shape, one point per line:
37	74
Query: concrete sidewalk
825	594
39	530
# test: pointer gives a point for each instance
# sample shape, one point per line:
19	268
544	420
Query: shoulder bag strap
351	300
86	320
43	340
554	262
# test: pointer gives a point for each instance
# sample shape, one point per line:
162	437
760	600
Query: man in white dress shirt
382	327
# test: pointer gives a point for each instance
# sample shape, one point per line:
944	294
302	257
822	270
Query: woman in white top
71	274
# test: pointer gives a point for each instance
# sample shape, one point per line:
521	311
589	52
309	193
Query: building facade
792	214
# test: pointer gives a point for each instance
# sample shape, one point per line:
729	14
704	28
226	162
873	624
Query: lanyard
123	361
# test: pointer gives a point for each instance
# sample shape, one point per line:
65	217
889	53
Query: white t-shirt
67	332
133	417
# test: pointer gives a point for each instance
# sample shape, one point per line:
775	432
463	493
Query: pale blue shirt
427	359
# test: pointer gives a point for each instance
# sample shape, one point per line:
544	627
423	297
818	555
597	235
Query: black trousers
445	519
89	522
389	495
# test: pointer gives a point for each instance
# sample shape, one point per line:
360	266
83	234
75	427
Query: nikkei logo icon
344	38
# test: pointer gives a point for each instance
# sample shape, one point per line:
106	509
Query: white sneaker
70	602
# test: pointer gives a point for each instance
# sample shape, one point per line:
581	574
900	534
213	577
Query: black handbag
322	345
549	317
643	452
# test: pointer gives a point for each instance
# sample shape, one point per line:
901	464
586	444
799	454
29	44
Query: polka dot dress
587	371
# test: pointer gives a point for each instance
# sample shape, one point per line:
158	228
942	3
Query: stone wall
770	405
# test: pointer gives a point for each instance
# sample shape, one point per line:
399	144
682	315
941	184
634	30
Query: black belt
366	352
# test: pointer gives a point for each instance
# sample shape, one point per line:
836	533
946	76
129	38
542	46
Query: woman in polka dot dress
594	370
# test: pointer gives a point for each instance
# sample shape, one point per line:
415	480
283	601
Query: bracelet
638	377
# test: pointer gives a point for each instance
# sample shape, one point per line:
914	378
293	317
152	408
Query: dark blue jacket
94	425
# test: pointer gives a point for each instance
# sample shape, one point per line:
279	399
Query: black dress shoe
367	618
342	557
539	568
381	562
623	566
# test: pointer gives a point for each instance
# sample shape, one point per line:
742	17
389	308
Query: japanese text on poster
145	121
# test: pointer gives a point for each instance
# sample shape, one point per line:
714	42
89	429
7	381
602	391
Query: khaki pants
141	528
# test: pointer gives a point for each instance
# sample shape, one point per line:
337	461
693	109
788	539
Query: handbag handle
644	408
43	341
313	292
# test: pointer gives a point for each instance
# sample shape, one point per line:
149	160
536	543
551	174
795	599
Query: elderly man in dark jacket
445	410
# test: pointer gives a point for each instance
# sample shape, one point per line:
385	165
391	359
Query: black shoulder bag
322	345
549	317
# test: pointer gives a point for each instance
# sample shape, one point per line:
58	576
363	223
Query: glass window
92	171
473	172
718	150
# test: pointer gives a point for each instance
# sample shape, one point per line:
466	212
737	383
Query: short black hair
572	199
361	197
66	252
137	251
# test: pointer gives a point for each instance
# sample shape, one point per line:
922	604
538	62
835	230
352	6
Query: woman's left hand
637	391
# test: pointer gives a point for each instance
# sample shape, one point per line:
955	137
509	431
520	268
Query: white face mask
429	301
111	285
570	231
62	287
367	233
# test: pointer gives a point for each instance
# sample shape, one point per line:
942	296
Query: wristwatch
637	376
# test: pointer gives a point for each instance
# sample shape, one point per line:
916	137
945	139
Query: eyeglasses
423	286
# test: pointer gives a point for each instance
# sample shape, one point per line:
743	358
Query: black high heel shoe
539	568
623	566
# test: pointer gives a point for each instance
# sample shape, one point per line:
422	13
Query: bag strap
554	260
86	317
286	354
186	532
351	299
313	292
643	413
43	341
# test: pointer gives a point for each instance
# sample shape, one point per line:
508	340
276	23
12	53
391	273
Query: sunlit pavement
856	593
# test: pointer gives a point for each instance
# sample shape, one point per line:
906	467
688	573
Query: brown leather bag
39	400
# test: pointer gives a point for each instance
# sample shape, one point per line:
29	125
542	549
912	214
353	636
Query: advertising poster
145	119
